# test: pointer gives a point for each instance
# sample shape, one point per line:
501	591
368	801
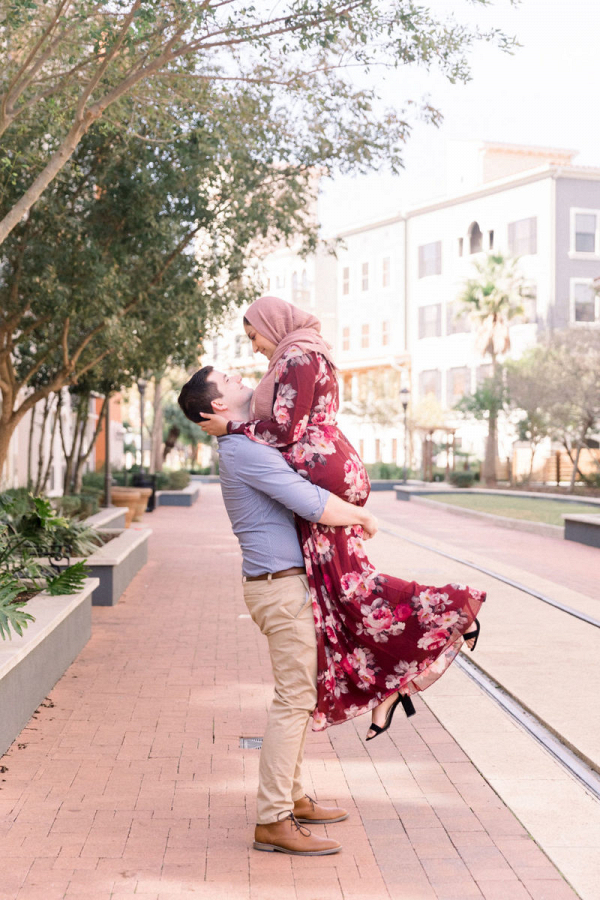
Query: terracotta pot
142	503
127	498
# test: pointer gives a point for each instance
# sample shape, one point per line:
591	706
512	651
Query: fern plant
30	528
11	612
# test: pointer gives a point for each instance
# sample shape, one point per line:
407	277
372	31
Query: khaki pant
282	610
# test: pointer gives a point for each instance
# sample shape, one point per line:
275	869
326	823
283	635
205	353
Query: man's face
235	396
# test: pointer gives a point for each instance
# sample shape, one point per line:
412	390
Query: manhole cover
251	743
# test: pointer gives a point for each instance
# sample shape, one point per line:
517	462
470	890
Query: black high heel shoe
408	707
473	635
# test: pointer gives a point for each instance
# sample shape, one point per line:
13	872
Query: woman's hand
213	424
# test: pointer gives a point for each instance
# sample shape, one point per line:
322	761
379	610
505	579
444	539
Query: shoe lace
294	822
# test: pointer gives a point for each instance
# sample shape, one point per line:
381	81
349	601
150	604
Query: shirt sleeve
265	469
292	405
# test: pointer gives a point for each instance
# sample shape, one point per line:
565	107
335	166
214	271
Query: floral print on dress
376	633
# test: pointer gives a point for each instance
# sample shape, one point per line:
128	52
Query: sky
545	94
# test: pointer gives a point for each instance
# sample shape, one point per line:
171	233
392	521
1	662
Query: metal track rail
578	768
587	776
521	587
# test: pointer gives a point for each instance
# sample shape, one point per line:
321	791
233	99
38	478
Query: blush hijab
284	325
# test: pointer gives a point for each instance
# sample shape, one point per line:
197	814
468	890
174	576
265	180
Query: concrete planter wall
583	529
109	517
186	497
31	665
115	564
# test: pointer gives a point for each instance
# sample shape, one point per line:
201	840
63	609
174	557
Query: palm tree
491	299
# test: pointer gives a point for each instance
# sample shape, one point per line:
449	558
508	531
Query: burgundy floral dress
376	633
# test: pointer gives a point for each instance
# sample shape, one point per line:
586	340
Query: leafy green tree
569	364
492	298
529	391
81	60
138	245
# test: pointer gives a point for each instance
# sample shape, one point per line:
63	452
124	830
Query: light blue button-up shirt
261	492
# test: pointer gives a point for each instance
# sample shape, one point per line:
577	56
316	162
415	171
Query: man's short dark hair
196	396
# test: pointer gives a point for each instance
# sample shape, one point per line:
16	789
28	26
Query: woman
379	638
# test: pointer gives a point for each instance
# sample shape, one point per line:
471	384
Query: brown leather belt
269	576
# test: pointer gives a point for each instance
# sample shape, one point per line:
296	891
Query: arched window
475	238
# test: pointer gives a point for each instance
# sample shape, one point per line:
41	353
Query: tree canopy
80	59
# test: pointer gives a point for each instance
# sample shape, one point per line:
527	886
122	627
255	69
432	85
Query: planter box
110	517
185	497
114	564
582	529
31	665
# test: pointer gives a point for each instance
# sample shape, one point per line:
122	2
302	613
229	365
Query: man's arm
265	469
338	512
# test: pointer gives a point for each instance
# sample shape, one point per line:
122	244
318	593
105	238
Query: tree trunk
156	457
577	455
29	449
41	460
6	433
50	449
491	452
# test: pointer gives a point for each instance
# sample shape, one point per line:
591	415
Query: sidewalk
132	784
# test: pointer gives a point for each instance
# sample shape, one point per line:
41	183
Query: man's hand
213	424
369	525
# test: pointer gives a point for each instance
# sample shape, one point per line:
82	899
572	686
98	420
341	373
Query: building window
522	237
475	238
430	259
457	322
584	302
394	449
377	450
346	280
385	334
430	320
280	281
385	272
529	304
585	237
458	384
490	240
237	347
346	338
364	336
365	276
461	246
361	448
430	382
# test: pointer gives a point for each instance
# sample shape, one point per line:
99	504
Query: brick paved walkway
132	784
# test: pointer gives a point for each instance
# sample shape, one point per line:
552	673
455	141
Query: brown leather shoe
308	810
287	836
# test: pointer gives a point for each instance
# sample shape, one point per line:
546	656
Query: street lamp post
404	398
142	383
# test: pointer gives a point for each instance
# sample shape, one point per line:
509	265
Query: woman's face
260	344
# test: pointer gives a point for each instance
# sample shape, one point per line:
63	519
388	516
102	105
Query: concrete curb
186	497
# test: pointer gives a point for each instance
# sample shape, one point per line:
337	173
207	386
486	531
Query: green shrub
384	471
462	479
94	480
178	480
162	481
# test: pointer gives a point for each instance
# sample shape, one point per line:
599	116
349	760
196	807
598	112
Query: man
261	493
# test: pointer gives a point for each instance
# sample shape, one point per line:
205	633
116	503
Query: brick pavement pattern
129	782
